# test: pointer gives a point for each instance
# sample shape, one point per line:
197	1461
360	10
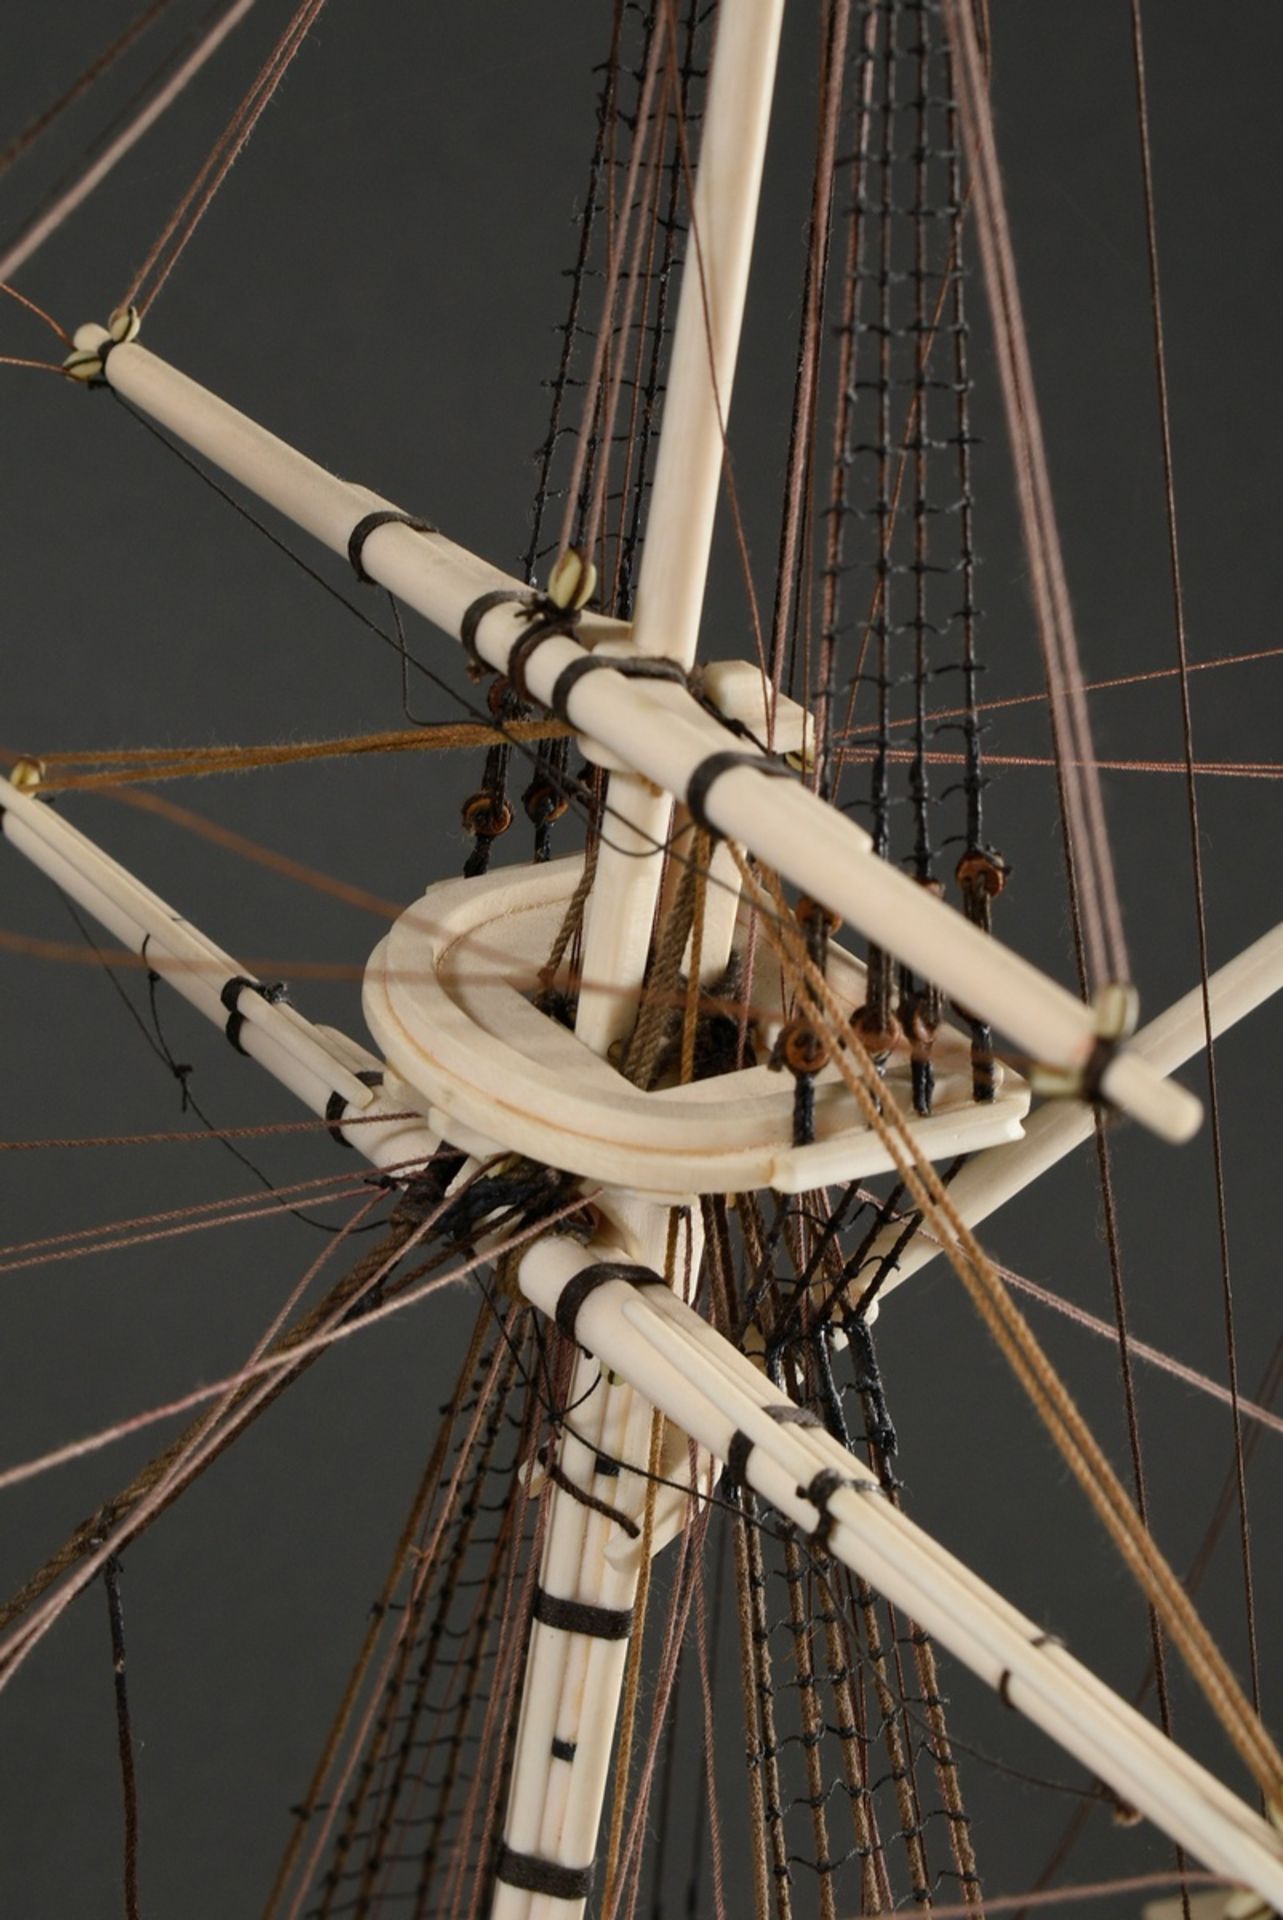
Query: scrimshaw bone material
495	1073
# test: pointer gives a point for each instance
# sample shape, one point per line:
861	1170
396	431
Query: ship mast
616	1295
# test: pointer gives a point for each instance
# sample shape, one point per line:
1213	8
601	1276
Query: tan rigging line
1015	1339
401	1560
191	209
594	386
125	765
1104	686
48	222
612	377
165	1477
84	79
802	425
338	1793
1195	838
845	403
1084	806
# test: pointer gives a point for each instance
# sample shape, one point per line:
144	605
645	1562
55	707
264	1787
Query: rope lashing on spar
555	611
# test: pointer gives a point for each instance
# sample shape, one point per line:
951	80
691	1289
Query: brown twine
127	765
659	995
1015	1338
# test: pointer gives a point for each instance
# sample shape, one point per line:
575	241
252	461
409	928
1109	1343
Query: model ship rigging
469	1016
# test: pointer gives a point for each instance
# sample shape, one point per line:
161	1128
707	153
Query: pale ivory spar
714	1388
997	1174
576	1659
660	730
665	1357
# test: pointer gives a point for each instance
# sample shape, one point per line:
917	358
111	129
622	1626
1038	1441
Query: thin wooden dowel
997	1174
661	731
316	1064
712	1391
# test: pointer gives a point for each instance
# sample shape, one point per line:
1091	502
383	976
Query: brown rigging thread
40	313
1195	840
119	766
1085	818
293	1351
1102	686
1236	769
124	1736
388	1753
1015	1339
1127	1886
374	1722
594	387
191	209
1109	1206
633	1672
660	998
846	391
120	1518
701	852
1270	1382
365	1655
43	225
79	1241
653	139
84	79
728	469
193	1135
801	448
404	1294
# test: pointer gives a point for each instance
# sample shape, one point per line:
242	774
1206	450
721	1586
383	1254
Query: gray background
377	283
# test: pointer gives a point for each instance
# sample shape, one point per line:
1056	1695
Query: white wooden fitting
447	999
788	827
997	1175
684	1367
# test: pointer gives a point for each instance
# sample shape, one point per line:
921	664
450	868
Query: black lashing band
336	1106
712	769
556	626
737	1458
563	1749
632	669
1004	1678
476	613
785	1414
384	517
273	991
533	1875
819	1491
588	1279
577	1616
